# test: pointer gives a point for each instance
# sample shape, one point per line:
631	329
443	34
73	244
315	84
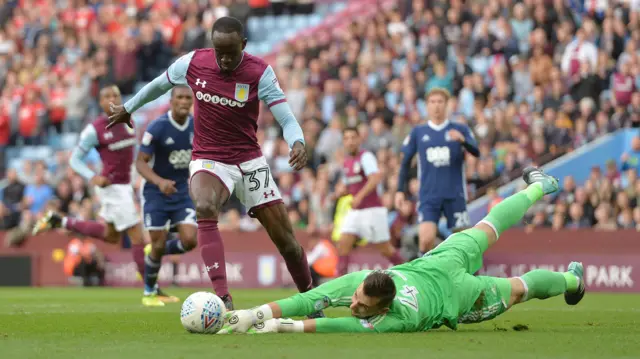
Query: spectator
12	200
38	193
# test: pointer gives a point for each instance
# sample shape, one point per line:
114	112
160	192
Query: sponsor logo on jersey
122	144
242	92
218	100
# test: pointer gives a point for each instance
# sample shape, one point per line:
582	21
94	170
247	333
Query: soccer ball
203	312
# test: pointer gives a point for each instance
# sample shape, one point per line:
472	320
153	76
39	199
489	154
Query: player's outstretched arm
335	293
270	92
175	75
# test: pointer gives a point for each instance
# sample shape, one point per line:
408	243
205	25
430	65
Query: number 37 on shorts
251	180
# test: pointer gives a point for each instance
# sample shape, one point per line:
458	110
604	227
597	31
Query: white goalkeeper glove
238	321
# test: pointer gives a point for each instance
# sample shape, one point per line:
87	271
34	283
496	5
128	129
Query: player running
113	186
431	291
367	218
229	84
441	146
165	194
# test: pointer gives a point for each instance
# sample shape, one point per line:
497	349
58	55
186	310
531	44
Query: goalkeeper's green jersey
425	299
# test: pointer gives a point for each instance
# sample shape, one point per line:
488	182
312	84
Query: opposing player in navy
441	146
163	161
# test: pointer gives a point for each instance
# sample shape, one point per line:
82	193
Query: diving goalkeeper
434	290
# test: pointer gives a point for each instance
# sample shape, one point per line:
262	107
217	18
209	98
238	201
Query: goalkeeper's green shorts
493	300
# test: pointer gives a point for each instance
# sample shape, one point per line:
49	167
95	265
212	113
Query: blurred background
540	82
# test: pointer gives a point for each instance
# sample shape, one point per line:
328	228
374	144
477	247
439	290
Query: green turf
110	323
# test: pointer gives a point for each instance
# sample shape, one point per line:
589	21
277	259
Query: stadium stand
534	81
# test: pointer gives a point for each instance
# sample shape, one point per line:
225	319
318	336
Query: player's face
351	142
436	105
363	306
109	95
229	47
181	102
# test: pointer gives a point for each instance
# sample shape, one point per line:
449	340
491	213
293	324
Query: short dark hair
107	86
351	129
228	25
179	87
379	284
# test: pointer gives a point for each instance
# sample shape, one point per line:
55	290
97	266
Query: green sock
543	284
511	210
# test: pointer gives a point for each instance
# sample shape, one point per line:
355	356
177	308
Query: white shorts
251	180
118	206
370	224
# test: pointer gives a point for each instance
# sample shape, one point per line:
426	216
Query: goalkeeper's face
365	306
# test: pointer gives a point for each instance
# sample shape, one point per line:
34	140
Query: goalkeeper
434	290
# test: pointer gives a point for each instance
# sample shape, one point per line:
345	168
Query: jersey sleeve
470	143
88	141
177	73
409	145
369	163
335	293
409	149
379	324
150	138
269	89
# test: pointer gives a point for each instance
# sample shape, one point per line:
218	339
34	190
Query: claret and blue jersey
440	171
169	143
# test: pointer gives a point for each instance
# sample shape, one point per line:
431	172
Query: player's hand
456	135
269	326
100	181
399	200
237	321
119	115
298	156
167	187
624	157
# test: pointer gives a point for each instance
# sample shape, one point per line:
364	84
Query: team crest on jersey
242	92
356	167
131	131
447	136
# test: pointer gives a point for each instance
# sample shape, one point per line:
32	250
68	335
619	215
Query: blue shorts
159	216
454	209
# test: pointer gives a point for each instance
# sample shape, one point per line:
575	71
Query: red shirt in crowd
28	114
57	110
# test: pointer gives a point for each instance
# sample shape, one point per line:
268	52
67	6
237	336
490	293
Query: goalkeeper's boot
152	300
49	221
573	298
535	175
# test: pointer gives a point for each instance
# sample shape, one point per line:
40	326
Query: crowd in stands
533	79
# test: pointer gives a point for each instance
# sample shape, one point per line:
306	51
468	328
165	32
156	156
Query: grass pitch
111	323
